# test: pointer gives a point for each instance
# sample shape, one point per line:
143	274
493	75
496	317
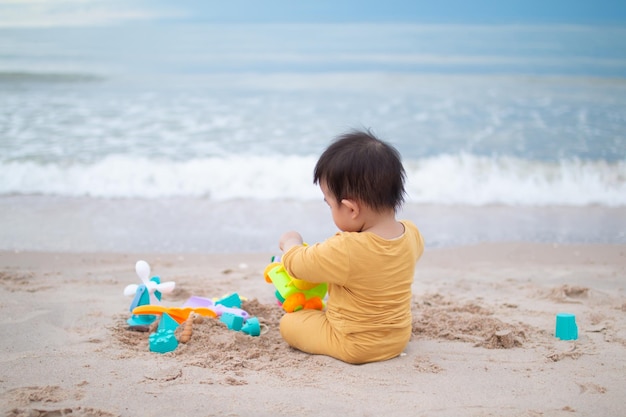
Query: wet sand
64	224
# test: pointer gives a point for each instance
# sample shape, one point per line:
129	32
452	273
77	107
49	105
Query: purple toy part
220	309
195	301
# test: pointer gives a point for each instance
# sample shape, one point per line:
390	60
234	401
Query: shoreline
483	339
62	224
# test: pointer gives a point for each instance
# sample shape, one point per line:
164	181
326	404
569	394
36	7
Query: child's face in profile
342	214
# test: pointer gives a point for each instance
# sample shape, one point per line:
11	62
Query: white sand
66	349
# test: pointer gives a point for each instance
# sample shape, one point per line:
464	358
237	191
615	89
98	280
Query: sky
46	13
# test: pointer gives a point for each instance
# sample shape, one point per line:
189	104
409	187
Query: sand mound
438	318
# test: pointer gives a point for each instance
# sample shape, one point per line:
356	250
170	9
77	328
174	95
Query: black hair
359	166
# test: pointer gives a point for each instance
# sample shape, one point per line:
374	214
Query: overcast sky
20	13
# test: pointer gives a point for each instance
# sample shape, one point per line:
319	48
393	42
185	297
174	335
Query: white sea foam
472	180
445	179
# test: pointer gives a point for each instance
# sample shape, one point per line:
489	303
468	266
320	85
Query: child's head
359	166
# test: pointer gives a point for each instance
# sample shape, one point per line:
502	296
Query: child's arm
327	261
290	239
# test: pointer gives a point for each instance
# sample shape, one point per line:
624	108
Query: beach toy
142	297
179	314
232	321
235	318
228	310
153	286
566	328
292	293
229	304
232	300
252	327
164	340
149	292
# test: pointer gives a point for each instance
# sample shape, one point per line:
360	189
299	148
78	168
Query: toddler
369	265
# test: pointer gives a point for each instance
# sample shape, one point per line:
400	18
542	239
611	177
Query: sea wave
444	179
478	180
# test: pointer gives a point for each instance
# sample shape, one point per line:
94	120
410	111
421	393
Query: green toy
292	293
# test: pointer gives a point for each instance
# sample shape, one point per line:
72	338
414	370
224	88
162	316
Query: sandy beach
187	134
483	339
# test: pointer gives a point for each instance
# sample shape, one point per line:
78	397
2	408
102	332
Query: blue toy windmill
149	292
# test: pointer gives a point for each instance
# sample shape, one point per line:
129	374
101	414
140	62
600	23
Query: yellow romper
368	313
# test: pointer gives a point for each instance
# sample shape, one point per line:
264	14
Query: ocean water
528	118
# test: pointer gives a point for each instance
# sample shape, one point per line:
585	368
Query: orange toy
180	314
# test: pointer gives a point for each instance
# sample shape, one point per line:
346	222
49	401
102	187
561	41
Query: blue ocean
203	137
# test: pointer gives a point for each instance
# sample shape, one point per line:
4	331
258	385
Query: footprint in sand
33	402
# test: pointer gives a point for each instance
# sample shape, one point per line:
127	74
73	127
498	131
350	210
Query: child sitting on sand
369	265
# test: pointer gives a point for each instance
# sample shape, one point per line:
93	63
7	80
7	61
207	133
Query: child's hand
289	239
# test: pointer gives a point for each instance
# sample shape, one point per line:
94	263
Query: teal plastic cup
566	328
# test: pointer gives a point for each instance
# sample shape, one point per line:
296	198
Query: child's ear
353	206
